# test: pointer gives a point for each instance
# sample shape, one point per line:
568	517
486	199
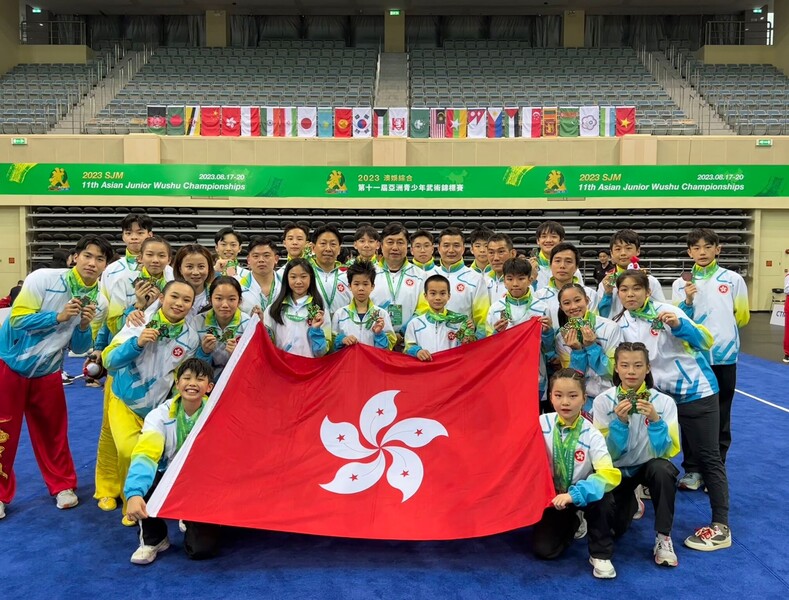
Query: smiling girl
193	264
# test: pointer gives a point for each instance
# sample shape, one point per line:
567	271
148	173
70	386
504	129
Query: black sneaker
708	539
67	379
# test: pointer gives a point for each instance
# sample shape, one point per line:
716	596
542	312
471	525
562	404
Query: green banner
394	182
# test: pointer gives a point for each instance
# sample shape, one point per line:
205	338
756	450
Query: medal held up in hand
312	312
575	323
633	397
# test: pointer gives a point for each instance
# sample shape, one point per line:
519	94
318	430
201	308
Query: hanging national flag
250	121
192	118
532	122
231	121
175	120
362	122
502	122
590	121
549	121
495	123
608	121
477	122
438	122
569	125
511	126
398	122
402	450
307	119
380	122
157	119
210	120
625	120
456	122
343	122
420	123
325	122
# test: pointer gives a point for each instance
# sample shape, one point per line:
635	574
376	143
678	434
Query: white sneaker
640	510
603	568
690	481
643	492
580	533
181	526
2	510
66	499
145	555
664	551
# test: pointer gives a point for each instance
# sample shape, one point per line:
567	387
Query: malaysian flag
438	122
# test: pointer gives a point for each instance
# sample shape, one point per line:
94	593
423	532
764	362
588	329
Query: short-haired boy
437	329
227	245
625	246
478	238
53	312
366	242
362	322
548	234
717	298
423	250
164	431
296	240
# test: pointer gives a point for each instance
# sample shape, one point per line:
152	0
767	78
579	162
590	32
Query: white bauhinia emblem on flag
406	471
231	122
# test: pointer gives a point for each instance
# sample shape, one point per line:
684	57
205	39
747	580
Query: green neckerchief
319	279
578	324
86	294
183	422
543	261
222	335
525	300
465	333
552	282
648	312
131	260
701	273
370	315
452	268
312	310
615	275
564	453
633	396
428	266
159	281
166	329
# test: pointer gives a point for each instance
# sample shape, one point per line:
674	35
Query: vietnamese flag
210	120
625	120
368	443
343	118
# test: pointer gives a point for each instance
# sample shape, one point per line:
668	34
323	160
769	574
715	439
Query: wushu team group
626	378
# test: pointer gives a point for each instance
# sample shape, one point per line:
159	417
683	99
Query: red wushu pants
42	402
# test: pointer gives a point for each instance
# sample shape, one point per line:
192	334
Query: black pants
556	530
201	540
700	423
727	381
660	476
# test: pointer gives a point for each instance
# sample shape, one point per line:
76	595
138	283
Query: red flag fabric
210	120
368	443
625	120
231	121
343	118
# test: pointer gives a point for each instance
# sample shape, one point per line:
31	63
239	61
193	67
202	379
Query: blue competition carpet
84	552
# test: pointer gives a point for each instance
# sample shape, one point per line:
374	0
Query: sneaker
643	492
640	510
73	354
603	568
786	358
145	555
580	533
181	526
66	499
707	539
664	551
2	510
690	481
67	379
108	504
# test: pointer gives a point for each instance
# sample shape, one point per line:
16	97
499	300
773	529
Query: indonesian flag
398	122
477	118
231	121
532	121
342	122
367	443
250	121
210	120
307	118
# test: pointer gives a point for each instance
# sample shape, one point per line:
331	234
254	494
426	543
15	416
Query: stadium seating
663	252
478	73
283	73
753	99
35	97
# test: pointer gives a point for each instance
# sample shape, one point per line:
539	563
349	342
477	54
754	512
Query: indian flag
279	122
608	121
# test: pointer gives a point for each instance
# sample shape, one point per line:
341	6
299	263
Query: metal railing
52	33
738	33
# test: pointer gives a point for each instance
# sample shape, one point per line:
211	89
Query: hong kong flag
368	443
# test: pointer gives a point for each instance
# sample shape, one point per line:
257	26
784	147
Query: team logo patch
178	352
341	288
460	287
409	282
452	336
654	332
580	455
723	288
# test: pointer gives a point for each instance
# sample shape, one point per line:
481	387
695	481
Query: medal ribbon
329	300
648	313
159	281
370	317
633	396
183	422
312	311
166	329
86	294
222	335
564	453
392	290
